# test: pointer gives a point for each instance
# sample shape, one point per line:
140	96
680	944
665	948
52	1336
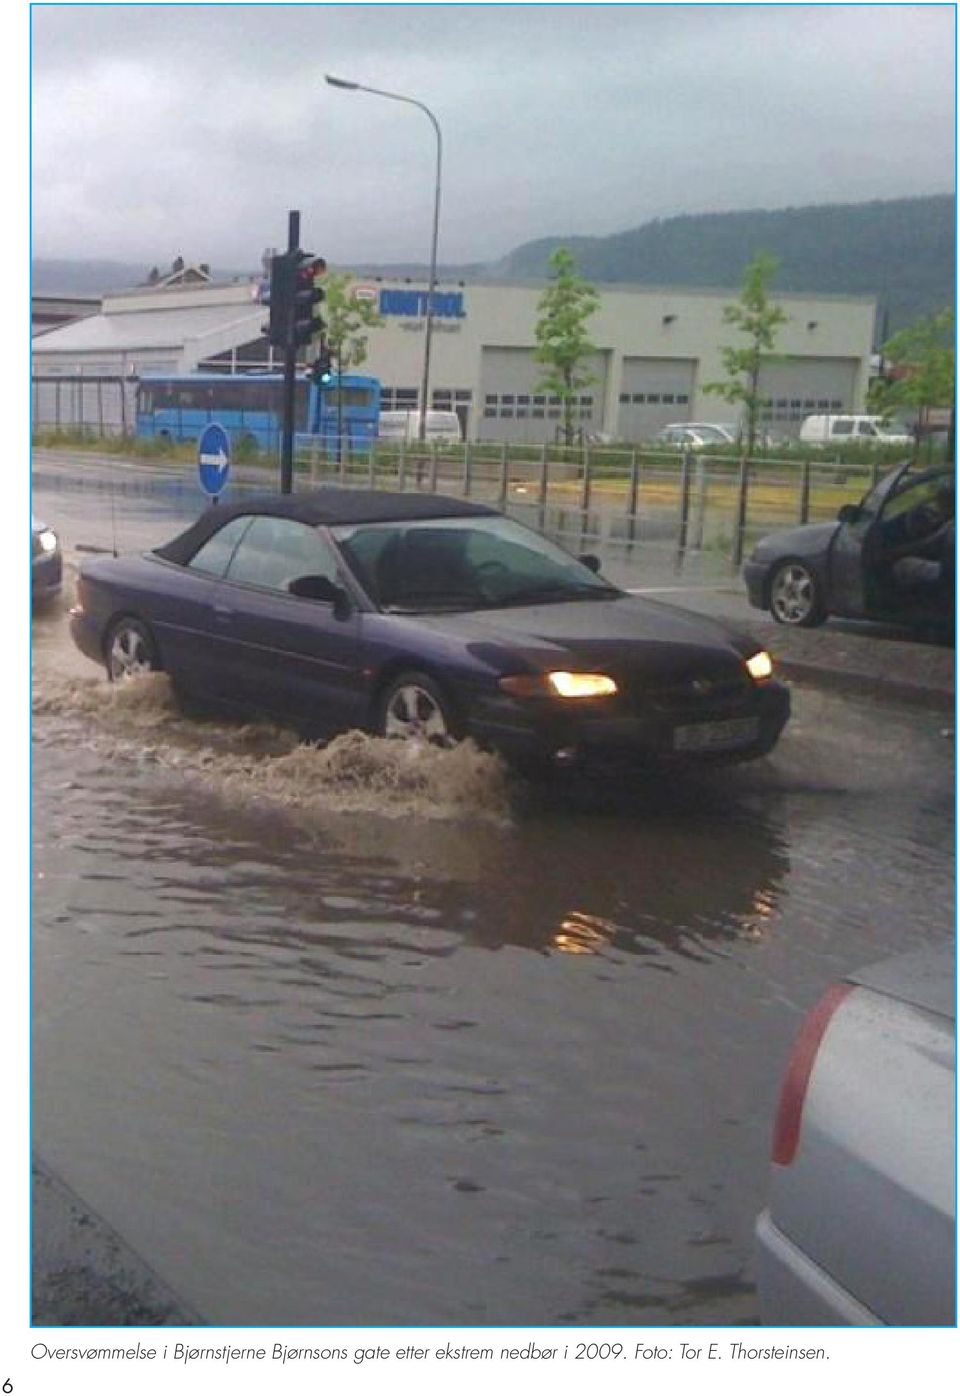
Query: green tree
922	357
346	319
758	320
562	342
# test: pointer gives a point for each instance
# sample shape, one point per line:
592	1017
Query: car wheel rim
129	654
792	596
413	714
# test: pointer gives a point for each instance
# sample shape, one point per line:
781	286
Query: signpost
213	460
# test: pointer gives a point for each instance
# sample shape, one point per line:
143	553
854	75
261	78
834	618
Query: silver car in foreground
861	1224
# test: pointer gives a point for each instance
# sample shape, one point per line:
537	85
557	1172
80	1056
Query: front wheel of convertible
415	708
130	649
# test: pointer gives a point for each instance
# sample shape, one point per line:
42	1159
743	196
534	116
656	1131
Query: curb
85	1274
868	685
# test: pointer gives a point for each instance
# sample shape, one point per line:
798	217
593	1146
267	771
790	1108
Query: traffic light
321	371
282	273
307	295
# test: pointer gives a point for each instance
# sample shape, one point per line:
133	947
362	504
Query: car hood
805	541
623	632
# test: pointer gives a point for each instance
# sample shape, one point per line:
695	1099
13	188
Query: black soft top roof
323	506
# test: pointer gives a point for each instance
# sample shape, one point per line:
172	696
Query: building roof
48	313
184	276
151	329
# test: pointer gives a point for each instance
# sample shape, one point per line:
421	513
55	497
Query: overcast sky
162	130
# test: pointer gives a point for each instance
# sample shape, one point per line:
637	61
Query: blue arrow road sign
213	459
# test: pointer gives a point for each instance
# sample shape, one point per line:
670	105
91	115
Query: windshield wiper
564	592
419	603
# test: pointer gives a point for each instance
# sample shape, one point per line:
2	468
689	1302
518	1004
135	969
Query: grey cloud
556	119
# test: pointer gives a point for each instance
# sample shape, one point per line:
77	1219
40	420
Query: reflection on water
139	723
531	874
358	1034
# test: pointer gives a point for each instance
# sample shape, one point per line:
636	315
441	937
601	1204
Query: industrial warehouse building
656	349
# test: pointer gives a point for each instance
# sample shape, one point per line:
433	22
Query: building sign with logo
446	305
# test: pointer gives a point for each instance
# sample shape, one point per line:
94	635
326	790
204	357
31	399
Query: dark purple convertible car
419	616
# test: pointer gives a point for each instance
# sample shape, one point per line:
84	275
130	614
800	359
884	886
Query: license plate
716	736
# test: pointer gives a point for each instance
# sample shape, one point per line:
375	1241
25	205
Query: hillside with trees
901	251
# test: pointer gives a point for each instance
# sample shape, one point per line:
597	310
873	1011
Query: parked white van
442	428
854	427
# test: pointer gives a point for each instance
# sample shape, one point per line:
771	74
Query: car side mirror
848	514
314	587
591	561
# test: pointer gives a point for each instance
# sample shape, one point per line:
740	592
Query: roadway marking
648	591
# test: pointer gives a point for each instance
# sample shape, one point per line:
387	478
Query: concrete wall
648	341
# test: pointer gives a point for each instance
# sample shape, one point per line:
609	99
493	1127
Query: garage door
513	407
653	393
796	388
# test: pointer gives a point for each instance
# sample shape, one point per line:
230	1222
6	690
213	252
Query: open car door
853	547
892	555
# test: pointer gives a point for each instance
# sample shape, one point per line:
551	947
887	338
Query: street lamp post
428	327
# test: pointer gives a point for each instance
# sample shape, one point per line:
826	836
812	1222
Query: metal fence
86	406
684	504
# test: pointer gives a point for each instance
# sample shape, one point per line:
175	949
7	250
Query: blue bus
250	407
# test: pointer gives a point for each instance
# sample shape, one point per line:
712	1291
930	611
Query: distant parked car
695	436
861	1223
890	557
853	428
413	615
441	428
47	562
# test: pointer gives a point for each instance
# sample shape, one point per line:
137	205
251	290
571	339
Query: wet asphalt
431	1046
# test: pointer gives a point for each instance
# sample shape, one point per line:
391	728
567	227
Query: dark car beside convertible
46	563
888	558
418	615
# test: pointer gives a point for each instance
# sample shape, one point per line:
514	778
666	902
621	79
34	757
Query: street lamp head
341	82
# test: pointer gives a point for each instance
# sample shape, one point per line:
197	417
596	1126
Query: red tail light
786	1131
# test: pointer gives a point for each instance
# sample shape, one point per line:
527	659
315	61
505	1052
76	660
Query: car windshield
463	565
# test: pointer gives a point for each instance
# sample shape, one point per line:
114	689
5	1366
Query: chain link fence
84	406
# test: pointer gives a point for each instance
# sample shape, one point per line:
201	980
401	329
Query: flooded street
370	1036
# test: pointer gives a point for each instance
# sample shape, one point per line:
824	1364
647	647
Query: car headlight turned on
47	540
759	666
559	683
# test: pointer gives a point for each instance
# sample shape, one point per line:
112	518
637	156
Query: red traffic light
309	270
307	322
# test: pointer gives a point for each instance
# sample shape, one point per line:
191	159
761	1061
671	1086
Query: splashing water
141	721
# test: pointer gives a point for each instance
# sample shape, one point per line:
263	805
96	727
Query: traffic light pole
289	374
